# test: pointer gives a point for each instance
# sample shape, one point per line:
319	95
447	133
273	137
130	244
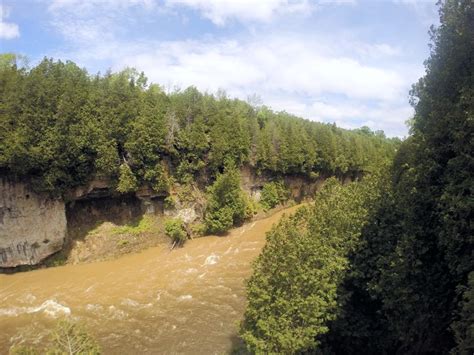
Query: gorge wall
32	226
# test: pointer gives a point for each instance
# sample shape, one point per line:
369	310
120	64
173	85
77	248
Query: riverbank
109	241
186	301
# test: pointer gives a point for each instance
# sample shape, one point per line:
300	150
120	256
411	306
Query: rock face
252	183
299	187
32	226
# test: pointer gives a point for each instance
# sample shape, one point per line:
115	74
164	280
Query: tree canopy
61	127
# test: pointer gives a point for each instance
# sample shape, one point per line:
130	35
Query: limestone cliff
32	226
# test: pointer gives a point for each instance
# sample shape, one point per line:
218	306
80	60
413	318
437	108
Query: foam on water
53	308
117	313
211	259
134	304
94	307
185	298
50	308
191	270
129	302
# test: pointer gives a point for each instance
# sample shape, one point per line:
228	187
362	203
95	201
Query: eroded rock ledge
32	226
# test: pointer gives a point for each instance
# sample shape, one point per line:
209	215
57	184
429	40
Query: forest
385	265
60	127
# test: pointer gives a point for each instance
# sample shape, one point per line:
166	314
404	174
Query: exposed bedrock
32	226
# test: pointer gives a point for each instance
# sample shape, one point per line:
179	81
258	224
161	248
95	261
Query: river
186	301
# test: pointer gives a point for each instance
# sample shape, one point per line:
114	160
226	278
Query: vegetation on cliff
61	126
227	203
385	267
293	291
273	193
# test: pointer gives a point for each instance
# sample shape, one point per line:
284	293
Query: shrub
227	203
273	193
67	338
198	229
127	180
174	228
71	338
170	202
219	220
251	206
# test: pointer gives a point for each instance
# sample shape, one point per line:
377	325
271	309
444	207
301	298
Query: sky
351	62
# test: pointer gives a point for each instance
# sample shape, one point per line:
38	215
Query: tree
127	180
410	284
67	338
60	127
293	292
273	193
227	204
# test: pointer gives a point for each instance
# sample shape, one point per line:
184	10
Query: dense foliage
293	291
273	193
227	203
61	127
399	279
174	228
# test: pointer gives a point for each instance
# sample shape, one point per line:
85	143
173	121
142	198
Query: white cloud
275	63
8	30
221	11
387	116
91	21
330	77
292	73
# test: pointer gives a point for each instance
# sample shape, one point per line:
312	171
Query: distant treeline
61	126
385	265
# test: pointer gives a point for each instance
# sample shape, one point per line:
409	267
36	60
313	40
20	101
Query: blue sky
350	62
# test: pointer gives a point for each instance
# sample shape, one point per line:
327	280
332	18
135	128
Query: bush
251	206
174	228
67	338
170	202
273	193
219	220
227	203
198	229
71	338
127	180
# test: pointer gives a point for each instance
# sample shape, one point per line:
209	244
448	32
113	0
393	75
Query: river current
186	301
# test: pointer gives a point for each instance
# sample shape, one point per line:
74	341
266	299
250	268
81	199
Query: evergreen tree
227	205
292	293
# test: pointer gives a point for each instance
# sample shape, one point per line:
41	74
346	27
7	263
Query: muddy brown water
189	300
